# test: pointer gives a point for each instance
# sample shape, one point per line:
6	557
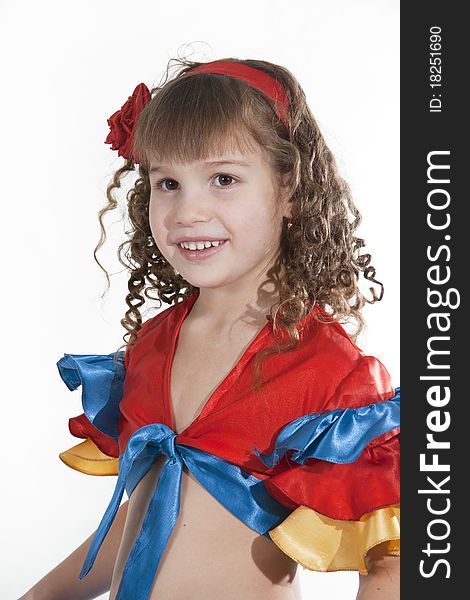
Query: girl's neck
220	308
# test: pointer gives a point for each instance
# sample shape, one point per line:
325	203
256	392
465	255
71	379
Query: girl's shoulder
101	378
353	377
325	324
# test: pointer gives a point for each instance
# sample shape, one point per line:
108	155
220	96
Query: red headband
123	121
254	78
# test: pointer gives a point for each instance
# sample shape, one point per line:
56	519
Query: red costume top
326	380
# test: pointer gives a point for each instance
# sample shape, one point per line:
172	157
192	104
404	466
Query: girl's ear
287	212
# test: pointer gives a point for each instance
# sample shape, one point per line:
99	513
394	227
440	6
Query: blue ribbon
242	494
102	379
337	436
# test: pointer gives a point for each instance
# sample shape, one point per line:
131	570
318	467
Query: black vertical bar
435	235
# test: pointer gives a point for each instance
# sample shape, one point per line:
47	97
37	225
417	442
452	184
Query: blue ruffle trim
102	379
337	436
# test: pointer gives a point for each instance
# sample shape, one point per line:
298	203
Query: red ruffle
342	491
82	428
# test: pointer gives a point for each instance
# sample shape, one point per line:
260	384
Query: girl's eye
225	177
159	184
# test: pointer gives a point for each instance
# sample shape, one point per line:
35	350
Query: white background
65	69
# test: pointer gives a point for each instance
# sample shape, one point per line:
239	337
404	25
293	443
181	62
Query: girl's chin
206	283
212	279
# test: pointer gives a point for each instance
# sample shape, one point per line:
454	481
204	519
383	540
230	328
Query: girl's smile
200	250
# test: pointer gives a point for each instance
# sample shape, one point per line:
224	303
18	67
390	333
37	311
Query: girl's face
232	197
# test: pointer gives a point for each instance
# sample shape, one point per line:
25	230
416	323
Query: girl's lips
197	255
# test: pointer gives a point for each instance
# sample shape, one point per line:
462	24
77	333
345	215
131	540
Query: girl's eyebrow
211	163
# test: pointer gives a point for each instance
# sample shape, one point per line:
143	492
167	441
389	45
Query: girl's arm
63	582
383	579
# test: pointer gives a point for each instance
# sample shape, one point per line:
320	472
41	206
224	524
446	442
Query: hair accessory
122	122
253	77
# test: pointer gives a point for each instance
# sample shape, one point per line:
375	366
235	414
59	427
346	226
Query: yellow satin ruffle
323	544
87	458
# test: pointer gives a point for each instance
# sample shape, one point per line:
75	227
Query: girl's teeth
199	245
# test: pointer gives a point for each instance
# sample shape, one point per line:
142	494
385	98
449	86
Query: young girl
249	432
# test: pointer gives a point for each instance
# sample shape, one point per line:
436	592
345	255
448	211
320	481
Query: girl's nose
191	206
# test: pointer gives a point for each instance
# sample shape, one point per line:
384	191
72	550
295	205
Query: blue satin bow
242	494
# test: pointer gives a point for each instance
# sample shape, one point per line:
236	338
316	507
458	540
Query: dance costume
311	462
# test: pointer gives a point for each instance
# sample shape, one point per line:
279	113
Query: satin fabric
242	494
317	401
101	378
322	544
338	436
313	540
87	458
324	373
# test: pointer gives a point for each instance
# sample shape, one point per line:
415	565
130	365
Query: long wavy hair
319	260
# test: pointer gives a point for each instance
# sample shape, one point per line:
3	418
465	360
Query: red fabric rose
123	121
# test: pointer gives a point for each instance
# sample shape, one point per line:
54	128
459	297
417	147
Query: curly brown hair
319	260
